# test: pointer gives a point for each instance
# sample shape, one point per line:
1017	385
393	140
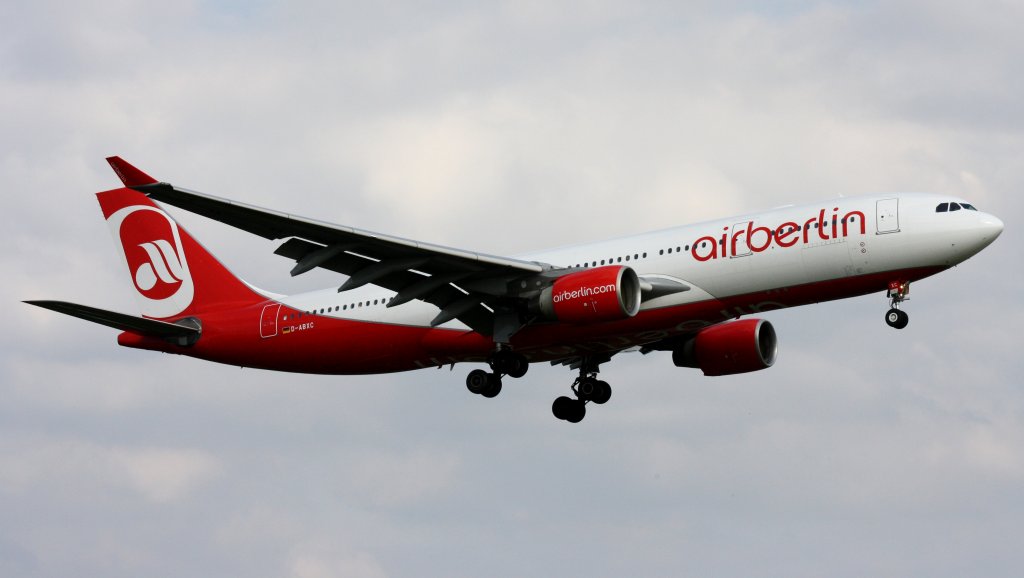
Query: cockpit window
949	207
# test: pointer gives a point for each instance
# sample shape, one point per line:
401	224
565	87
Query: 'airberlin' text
583	292
758	239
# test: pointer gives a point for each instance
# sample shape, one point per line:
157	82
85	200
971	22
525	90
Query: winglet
129	175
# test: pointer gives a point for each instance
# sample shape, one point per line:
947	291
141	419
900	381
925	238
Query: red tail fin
173	275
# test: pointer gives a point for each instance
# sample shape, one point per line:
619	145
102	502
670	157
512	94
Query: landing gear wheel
478	381
493	386
897	319
593	389
569	409
510	363
586	388
517	367
602	392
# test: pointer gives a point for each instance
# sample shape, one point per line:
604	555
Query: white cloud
318	563
505	128
160	475
402	480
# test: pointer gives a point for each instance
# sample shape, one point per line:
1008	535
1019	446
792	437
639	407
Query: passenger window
627	258
661	251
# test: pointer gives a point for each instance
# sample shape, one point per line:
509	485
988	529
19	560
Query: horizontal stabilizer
181	334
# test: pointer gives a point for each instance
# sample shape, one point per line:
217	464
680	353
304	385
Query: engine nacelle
734	347
595	295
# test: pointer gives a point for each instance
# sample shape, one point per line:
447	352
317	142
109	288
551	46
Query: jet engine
729	348
592	296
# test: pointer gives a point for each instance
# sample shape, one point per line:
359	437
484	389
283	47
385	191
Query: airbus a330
406	305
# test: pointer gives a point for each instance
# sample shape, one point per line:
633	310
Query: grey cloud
863	451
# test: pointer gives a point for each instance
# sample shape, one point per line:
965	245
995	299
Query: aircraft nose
985	232
992	226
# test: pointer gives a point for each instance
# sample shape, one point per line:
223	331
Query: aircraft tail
173	275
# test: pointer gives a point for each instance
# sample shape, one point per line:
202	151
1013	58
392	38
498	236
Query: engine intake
730	348
595	295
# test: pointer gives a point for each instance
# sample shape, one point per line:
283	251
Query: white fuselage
787	247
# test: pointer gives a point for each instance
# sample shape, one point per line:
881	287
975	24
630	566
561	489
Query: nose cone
992	226
988	228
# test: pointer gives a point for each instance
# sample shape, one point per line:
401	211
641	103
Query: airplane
407	305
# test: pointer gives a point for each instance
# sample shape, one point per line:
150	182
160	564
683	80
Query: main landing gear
896	317
586	388
503	362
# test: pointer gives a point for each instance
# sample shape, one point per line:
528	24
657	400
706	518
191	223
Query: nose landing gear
896	317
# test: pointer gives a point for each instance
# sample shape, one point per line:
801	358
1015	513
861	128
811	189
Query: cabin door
268	321
887	216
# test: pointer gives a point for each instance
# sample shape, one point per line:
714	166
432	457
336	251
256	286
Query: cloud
505	128
160	475
403	480
309	562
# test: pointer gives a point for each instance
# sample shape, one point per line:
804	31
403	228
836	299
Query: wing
472	287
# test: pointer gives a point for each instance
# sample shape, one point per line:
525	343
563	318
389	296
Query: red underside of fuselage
330	345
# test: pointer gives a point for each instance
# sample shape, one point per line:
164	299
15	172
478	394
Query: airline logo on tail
151	245
163	266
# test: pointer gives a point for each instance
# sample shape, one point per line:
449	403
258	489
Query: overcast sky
505	128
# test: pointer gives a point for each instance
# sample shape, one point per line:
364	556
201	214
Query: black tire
587	387
602	393
562	407
577	411
517	366
478	381
896	318
904	319
494	386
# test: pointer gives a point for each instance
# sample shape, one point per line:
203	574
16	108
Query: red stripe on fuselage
331	345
